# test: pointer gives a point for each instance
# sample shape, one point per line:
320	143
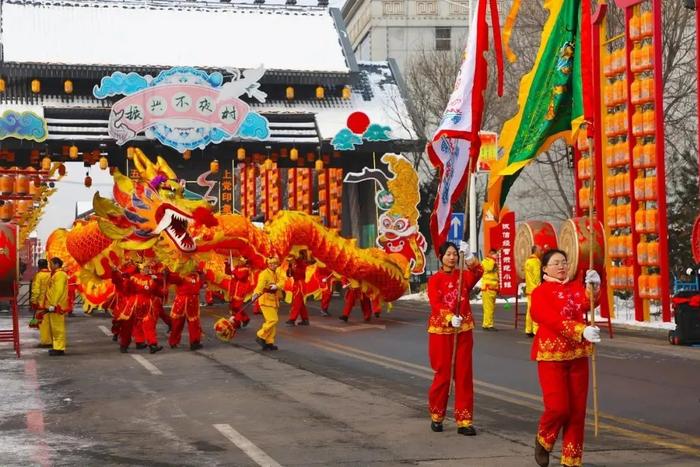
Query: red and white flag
454	148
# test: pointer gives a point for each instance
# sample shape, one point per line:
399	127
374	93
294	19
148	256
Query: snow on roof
162	34
377	95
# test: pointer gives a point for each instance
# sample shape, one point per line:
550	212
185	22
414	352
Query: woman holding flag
561	347
450	319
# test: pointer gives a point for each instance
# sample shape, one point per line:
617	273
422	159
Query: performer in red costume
297	271
186	306
353	294
561	347
239	286
327	281
137	317
157	270
120	298
446	322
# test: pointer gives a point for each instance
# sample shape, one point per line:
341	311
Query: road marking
147	365
350	327
531	401
105	330
245	445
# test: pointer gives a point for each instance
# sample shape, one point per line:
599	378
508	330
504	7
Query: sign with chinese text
184	108
503	239
226	205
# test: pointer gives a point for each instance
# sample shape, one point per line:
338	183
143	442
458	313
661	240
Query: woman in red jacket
561	347
444	323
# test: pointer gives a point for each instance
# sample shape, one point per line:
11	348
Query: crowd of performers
561	346
142	289
562	340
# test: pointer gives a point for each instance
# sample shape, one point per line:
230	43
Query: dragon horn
144	165
105	207
163	166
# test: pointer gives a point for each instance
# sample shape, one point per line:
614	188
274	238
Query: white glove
254	297
324	280
153	276
273	287
592	278
592	334
464	249
456	321
51	309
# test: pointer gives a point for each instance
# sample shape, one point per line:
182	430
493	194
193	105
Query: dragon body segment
150	219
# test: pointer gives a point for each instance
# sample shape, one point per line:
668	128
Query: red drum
574	240
528	234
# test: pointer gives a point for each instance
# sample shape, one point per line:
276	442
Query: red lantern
358	122
61	170
88	181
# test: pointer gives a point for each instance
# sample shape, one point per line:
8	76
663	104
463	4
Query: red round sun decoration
358	122
695	240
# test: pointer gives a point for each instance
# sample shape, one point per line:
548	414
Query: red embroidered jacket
559	310
442	294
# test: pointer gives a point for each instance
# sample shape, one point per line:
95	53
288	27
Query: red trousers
440	351
351	297
298	305
238	313
564	392
326	298
194	330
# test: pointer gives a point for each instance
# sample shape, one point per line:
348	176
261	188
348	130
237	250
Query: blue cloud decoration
377	132
23	125
255	126
345	140
120	83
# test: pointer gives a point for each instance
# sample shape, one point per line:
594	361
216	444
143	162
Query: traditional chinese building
55	53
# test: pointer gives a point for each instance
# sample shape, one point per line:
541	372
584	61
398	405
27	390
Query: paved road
334	394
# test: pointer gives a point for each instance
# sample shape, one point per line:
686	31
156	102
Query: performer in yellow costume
268	293
489	289
57	304
533	277
40	284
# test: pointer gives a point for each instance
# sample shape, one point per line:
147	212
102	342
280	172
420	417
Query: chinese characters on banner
503	239
226	204
488	152
271	192
299	189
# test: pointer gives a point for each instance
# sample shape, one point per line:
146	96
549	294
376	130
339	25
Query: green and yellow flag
550	98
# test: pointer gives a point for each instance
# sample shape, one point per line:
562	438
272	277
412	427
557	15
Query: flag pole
591	151
459	286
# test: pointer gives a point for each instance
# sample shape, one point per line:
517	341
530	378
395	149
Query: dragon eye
400	224
386	222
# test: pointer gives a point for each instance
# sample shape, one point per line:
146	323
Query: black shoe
271	347
141	345
436	427
261	342
55	353
343	318
195	346
153	348
123	349
376	315
325	313
289	322
490	329
115	338
530	335
466	430
173	346
541	454
304	322
44	346
245	323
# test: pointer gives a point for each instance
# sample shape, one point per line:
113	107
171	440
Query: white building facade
398	29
